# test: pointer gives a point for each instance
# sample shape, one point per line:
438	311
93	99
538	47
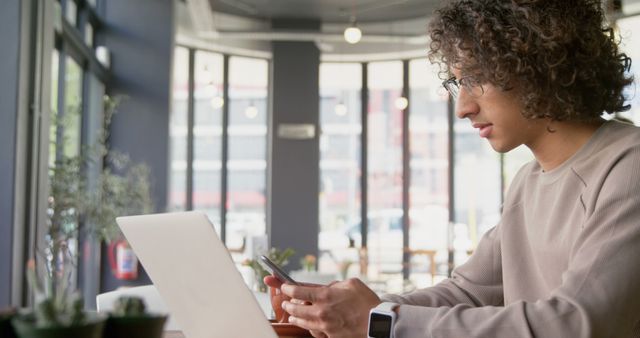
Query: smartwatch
382	318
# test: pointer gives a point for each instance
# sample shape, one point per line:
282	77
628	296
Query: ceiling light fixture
353	34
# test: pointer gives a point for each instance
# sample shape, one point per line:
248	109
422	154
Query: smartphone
276	270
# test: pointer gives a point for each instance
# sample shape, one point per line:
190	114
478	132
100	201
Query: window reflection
207	134
248	84
429	163
477	189
178	131
384	242
340	147
72	108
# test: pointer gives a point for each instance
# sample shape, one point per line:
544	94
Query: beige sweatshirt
563	262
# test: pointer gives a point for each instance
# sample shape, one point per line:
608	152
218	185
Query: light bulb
352	34
217	102
251	112
402	103
340	109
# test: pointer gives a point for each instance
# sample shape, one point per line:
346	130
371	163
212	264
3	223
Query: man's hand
340	309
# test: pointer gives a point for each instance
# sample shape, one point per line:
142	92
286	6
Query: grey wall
9	73
140	36
294	171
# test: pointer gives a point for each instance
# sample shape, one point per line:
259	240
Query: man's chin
500	146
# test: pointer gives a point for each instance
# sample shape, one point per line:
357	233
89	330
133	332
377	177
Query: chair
431	255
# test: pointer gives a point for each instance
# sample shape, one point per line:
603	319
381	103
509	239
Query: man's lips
484	128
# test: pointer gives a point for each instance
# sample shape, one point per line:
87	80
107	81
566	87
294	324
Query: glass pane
72	108
178	131
429	191
384	242
65	134
53	128
88	35
340	148
207	134
477	189
631	45
248	87
71	12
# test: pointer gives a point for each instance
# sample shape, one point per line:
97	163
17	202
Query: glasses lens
472	86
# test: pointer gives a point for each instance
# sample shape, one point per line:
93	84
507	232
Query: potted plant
281	258
73	199
58	309
308	263
129	319
58	312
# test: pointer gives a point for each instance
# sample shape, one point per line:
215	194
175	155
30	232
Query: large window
450	204
219	141
77	89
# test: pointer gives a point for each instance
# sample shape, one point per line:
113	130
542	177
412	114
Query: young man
565	259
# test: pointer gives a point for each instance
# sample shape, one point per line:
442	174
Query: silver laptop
195	275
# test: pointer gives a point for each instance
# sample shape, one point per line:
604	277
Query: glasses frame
453	85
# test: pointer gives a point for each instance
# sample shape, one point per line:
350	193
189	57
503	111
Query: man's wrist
382	320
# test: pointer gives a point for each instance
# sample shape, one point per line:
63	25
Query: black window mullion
364	156
75	45
406	173
190	125
451	182
224	173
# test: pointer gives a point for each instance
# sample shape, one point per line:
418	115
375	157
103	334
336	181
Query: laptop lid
195	275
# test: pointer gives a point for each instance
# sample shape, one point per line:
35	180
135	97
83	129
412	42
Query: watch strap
387	306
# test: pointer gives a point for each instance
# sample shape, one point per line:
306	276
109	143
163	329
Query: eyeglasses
470	84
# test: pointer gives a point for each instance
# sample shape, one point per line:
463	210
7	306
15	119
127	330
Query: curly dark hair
560	54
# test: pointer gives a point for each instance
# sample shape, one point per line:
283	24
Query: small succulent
128	306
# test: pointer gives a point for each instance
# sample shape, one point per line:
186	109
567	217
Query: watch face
379	326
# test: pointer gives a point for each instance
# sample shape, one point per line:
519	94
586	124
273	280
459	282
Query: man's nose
465	105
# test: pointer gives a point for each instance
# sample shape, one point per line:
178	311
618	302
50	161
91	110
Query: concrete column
293	172
140	37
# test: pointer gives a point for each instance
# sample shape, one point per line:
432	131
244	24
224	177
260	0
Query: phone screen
276	270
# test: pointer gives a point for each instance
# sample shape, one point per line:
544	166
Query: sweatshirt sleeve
478	282
599	295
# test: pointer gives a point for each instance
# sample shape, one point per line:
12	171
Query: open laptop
195	275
